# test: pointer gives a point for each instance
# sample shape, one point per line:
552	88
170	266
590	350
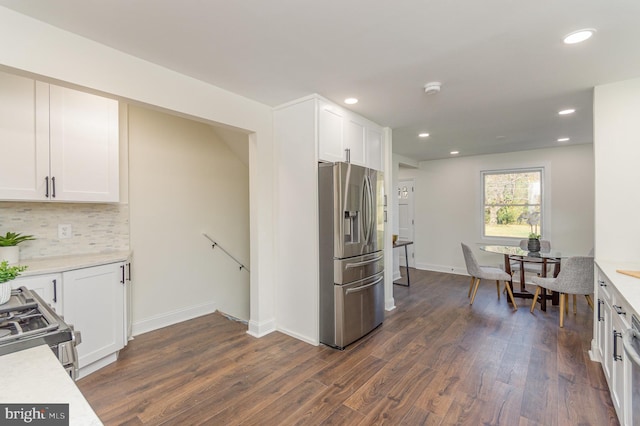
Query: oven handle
627	342
364	262
357	289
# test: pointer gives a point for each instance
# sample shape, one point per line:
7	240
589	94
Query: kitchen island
35	376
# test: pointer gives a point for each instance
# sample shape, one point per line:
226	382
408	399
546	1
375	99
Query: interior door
406	222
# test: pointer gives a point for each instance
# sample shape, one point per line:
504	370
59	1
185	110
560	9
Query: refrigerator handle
366	212
372	218
356	289
365	262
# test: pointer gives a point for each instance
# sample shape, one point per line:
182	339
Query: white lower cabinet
612	317
48	287
94	302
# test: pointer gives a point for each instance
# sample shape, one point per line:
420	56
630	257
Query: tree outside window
512	203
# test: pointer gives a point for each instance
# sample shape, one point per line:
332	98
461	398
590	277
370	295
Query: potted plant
534	242
9	249
8	273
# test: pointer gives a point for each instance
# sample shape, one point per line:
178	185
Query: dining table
541	258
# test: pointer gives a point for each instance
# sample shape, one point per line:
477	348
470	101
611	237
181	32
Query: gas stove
27	321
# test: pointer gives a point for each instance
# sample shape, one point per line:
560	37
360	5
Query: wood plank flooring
434	361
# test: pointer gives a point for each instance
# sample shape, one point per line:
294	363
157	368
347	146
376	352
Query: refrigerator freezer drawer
359	309
349	270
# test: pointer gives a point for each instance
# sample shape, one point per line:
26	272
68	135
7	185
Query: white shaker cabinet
63	143
48	287
346	136
93	301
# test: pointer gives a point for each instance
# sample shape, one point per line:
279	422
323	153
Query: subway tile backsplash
96	228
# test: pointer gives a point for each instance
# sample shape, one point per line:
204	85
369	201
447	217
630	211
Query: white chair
478	272
576	277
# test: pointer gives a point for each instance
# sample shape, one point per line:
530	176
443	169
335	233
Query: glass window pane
512	203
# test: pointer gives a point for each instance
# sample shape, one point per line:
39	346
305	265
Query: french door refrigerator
351	235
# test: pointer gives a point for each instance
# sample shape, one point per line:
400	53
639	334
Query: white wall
35	48
617	151
184	181
448	201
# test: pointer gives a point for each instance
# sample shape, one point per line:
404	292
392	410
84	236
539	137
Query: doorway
406	221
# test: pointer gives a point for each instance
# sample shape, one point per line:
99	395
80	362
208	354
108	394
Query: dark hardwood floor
434	361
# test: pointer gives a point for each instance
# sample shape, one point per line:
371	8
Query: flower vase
533	245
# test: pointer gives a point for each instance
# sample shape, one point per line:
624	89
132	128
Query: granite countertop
35	376
49	265
627	286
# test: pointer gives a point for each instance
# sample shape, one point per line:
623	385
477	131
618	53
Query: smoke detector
432	88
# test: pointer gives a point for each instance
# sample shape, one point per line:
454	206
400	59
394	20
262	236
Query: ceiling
504	69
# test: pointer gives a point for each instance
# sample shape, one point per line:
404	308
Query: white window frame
543	227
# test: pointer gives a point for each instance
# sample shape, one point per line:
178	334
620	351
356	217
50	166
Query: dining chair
478	272
576	277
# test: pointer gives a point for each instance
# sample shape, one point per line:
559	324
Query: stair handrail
216	244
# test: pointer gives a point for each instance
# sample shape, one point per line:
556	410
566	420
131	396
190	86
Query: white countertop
627	286
49	265
36	376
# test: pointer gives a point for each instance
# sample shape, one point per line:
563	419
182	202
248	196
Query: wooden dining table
542	258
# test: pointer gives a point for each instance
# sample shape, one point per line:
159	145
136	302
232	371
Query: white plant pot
10	254
5	292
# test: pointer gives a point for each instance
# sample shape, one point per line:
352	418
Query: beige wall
184	181
448	203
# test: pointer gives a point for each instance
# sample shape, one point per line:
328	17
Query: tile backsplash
96	228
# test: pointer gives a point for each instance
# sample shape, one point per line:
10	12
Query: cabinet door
48	287
93	300
84	146
24	138
374	148
330	133
617	384
354	139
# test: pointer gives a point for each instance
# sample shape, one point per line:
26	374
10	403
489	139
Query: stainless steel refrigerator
351	211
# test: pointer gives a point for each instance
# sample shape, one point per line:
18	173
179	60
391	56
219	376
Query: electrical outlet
64	232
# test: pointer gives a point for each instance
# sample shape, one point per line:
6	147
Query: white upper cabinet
346	136
63	144
24	138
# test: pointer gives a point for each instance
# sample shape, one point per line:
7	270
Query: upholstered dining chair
478	272
576	277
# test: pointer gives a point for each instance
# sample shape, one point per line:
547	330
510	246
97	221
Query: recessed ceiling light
563	139
423	135
566	111
350	101
454	152
579	36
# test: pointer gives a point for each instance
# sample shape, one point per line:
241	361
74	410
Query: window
512	203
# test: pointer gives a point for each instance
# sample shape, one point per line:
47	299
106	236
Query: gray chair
576	277
478	272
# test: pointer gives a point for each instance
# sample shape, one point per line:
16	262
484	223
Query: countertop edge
57	264
627	286
35	376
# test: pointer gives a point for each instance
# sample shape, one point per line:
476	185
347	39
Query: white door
406	220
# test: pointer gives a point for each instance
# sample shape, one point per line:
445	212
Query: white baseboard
170	318
306	339
95	366
397	275
441	268
390	304
257	329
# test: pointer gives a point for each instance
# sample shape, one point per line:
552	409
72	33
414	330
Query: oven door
359	308
631	341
